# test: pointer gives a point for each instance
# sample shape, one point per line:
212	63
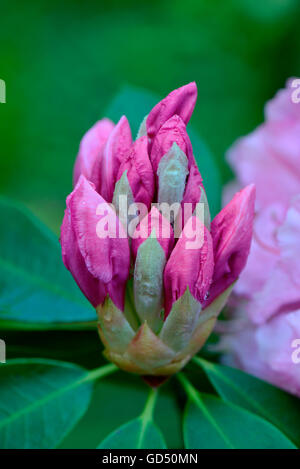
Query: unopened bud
148	281
143	128
172	173
202	209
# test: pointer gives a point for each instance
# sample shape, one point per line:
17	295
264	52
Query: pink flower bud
231	232
181	102
173	131
91	147
100	265
148	261
139	172
105	170
191	264
154	221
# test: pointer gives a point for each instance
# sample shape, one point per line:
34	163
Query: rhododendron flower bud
91	147
106	168
100	266
139	172
154	266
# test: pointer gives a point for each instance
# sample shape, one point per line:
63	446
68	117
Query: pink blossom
267	296
267	351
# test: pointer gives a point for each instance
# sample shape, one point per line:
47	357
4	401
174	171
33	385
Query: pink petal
281	291
90	148
105	170
279	294
266	351
229	191
163	231
107	259
193	186
264	251
74	262
139	172
173	130
180	101
289	239
282	107
188	267
269	157
231	231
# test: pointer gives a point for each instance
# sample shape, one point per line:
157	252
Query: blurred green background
64	61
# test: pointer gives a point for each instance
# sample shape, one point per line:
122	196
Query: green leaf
167	415
136	434
35	287
136	103
140	433
235	386
213	424
41	401
210	423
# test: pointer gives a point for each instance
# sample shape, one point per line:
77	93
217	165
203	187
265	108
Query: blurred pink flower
266	304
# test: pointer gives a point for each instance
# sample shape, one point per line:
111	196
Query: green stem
194	395
100	372
150	404
188	387
200	361
147	415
